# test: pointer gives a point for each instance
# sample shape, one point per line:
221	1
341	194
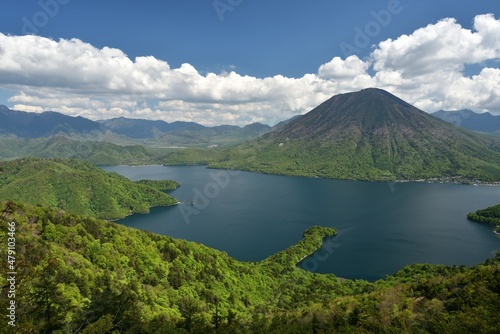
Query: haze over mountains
47	124
42	125
468	119
368	135
35	125
371	135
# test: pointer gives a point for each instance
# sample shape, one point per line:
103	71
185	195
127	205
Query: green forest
96	152
81	188
490	215
83	275
77	273
363	160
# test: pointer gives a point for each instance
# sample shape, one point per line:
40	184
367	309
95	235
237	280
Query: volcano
369	135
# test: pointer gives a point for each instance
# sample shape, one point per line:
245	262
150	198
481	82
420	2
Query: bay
381	226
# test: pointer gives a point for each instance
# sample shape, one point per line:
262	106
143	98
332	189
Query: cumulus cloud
426	68
349	68
442	46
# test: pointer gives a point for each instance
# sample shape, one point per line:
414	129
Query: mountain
46	124
221	135
141	128
83	275
468	119
254	130
280	124
96	152
79	188
369	135
123	131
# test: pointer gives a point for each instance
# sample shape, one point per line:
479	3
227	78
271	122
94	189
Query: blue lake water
381	226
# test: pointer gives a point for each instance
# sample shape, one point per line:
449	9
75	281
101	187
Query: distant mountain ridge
34	125
369	135
468	119
141	128
23	124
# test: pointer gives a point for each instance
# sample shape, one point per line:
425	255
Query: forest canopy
84	275
80	187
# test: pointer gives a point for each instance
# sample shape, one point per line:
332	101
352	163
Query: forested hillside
490	215
79	187
82	275
96	152
369	135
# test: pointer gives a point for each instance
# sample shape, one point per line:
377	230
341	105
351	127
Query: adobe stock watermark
48	10
392	186
220	179
363	36
223	6
11	271
311	262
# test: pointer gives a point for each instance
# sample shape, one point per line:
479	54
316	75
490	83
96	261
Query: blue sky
265	44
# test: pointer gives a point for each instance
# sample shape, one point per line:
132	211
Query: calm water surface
381	226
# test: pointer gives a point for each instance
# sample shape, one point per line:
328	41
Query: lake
381	226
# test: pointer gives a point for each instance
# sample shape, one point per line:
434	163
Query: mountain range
21	124
365	135
35	125
468	119
369	135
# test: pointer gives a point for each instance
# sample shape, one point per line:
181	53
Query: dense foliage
489	215
103	153
219	136
161	185
80	188
355	161
82	275
189	156
96	152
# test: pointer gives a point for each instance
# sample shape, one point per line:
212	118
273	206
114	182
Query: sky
243	61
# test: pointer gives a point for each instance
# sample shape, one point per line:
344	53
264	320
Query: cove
381	226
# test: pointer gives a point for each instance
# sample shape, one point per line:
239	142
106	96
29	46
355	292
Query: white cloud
441	46
343	69
426	68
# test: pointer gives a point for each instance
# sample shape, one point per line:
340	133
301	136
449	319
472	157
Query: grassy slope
84	274
79	187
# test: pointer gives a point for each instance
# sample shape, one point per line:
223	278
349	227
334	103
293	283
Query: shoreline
442	179
439	180
452	180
